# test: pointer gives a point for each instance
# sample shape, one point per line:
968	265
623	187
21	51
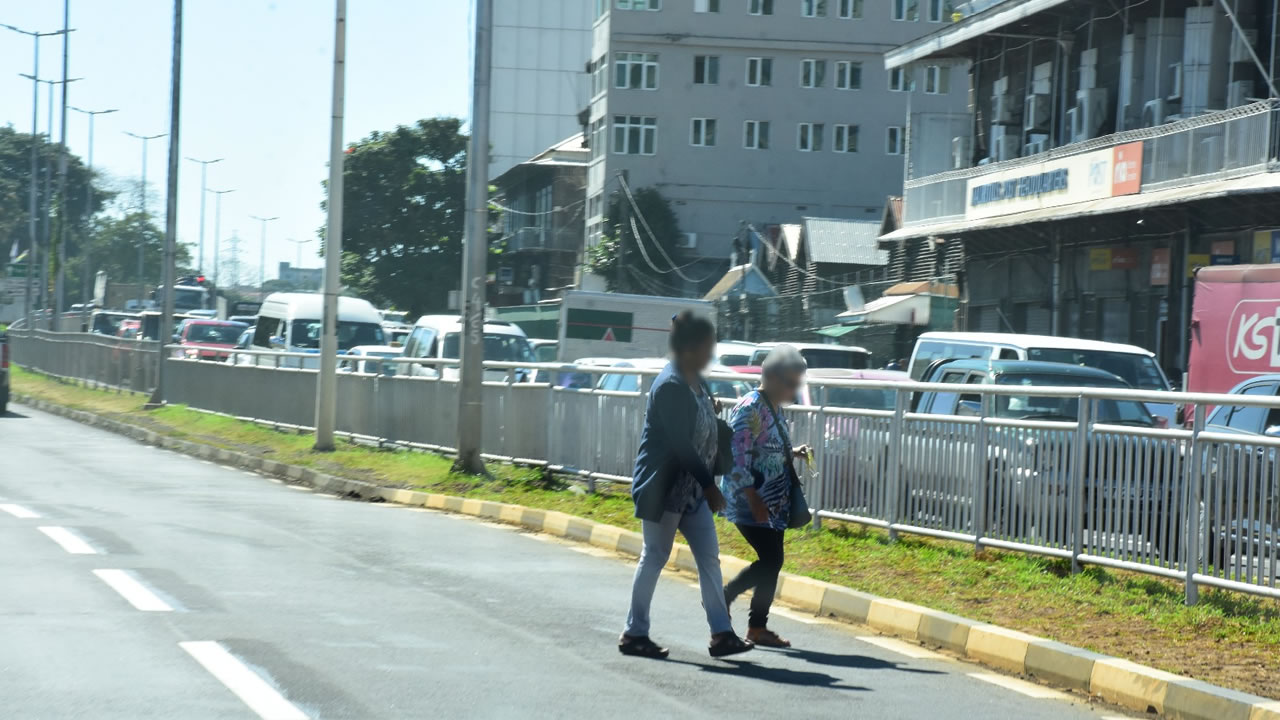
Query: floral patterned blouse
760	442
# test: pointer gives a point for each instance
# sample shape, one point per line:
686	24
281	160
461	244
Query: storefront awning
1256	183
892	310
835	331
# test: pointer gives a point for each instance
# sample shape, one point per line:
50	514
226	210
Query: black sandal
728	643
641	647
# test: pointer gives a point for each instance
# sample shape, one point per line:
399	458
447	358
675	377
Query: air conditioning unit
1240	49
1154	113
1175	81
1239	93
961	152
1004	148
1002	109
1035	114
1036	144
689	241
1087	116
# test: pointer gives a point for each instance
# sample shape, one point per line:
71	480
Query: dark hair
688	331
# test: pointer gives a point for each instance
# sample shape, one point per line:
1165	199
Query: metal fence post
893	502
980	453
1192	518
1080	457
819	454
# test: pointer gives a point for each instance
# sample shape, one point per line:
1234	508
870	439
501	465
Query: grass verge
1228	639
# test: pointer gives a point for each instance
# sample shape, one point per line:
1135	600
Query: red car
207	339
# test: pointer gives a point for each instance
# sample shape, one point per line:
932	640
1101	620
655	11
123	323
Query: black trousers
760	576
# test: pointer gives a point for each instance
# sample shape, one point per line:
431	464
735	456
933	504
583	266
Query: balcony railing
1232	143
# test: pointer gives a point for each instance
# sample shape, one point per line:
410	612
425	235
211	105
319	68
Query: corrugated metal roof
846	242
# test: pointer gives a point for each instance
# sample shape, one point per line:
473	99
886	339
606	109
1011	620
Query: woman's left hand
803	451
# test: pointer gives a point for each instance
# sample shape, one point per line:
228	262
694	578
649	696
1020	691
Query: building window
638	4
813	73
940	10
595	205
893	140
898	80
706	69
599	75
602	7
702	132
760	7
813	8
542	206
907	10
848	75
809	137
597	138
850	9
635	71
844	139
937	80
755	134
635	135
706	6
759	71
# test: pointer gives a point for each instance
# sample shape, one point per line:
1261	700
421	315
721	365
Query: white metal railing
1195	505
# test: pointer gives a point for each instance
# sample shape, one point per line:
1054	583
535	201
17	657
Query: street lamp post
327	376
262	250
298	244
59	285
89	197
43	290
32	249
142	283
217	232
204	166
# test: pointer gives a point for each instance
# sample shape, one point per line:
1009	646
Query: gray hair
783	360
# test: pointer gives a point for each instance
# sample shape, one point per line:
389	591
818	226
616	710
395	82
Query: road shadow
782	676
11	415
856	662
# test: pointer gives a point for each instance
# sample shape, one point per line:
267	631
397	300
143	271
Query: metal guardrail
1194	505
97	360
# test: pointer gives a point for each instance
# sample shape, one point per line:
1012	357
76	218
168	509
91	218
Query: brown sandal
764	637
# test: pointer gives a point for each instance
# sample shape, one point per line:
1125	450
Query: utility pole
47	206
88	270
327	377
475	249
171	207
217	232
204	167
142	282
59	284
32	241
262	250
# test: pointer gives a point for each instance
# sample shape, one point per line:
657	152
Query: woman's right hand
715	498
759	511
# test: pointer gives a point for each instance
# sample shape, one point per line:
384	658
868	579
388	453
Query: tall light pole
43	290
217	232
59	284
327	377
89	197
298	244
32	249
470	389
167	270
262	250
204	167
142	200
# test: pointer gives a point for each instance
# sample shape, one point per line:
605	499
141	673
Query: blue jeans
699	530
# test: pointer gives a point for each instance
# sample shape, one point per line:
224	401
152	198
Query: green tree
638	273
403	214
113	249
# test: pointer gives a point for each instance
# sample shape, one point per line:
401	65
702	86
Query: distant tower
233	267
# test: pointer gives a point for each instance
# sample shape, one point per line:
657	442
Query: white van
292	322
440	337
818	355
1136	366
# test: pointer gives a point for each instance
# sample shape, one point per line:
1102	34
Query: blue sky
256	91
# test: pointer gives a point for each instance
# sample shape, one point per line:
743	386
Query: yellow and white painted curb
1120	682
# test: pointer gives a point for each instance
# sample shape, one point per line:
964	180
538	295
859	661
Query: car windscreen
1140	371
188	299
861	398
844	359
497	348
734	360
729	388
1024	407
305	334
226	334
546	353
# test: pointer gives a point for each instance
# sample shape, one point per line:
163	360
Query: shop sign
1126	174
1113	259
1266	247
1195	261
1077	178
1160	266
1100	259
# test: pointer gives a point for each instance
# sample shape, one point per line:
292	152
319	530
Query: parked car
291	322
730	353
544	350
370	359
1135	365
818	355
440	337
573	377
207	339
731	389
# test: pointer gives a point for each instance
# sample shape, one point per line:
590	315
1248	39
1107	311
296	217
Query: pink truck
1235	326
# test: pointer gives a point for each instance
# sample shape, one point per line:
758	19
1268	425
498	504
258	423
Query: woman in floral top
758	489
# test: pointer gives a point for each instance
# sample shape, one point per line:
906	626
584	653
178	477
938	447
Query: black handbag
724	448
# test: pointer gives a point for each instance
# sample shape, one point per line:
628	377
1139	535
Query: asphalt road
138	583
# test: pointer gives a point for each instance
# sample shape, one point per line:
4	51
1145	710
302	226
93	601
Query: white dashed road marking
68	540
1021	687
245	683
19	512
135	592
902	648
301	488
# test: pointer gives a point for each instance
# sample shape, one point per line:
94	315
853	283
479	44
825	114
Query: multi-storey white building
756	110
